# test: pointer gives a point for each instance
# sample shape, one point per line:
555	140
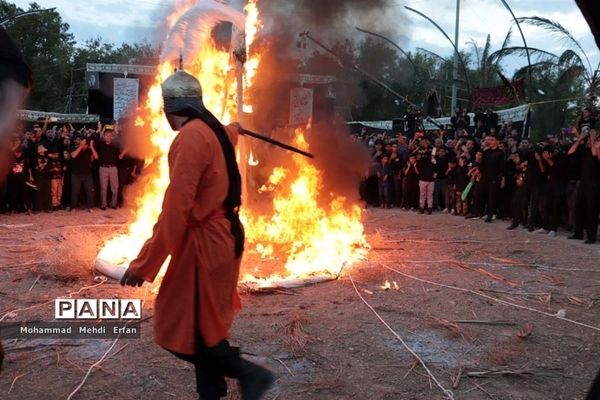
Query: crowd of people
492	173
61	168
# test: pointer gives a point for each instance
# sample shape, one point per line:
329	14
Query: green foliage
51	51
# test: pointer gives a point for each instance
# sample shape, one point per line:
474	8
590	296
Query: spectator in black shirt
81	172
556	188
460	120
41	178
491	121
426	172
66	190
586	197
462	180
109	155
492	166
440	188
396	163
410	183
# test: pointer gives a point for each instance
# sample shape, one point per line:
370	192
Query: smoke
333	20
284	53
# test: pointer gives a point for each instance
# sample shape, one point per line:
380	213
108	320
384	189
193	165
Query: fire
388	286
315	239
252	161
305	234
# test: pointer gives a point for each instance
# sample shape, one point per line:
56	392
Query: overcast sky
127	21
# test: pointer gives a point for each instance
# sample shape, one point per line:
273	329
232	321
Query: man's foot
114	207
429	211
552	234
488	220
513	226
445	210
576	237
421	211
255	380
542	231
103	208
590	241
530	229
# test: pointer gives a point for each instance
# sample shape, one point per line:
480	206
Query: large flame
301	234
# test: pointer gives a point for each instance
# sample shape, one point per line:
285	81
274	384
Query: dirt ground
497	337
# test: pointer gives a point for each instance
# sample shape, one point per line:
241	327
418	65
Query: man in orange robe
200	229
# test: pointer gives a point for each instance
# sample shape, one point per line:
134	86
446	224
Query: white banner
301	106
125	97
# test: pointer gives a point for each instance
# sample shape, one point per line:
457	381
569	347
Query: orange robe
199	290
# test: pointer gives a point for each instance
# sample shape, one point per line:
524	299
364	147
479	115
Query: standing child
451	186
55	170
410	192
426	172
462	180
41	177
385	177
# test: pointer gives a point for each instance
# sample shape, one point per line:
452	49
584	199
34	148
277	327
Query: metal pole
456	55
24	14
239	55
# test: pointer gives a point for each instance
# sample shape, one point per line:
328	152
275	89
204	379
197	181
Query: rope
485	296
448	393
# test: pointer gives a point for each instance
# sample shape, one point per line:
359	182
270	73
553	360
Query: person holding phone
585	152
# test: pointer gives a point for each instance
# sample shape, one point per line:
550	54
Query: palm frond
487	48
539	66
508	84
520	51
556	28
569	57
432	54
570	75
473	43
507	39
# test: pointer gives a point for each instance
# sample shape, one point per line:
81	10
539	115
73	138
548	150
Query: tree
47	46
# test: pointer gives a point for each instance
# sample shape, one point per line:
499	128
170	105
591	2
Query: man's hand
546	155
129	279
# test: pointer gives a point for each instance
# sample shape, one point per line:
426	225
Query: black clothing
108	154
586	210
77	181
585	125
492	164
41	168
410	189
426	169
234	193
441	167
589	166
554	198
460	121
396	163
462	178
82	164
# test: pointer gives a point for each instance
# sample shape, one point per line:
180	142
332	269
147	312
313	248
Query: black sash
234	193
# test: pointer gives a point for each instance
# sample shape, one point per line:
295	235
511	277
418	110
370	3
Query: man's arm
575	145
594	143
93	149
